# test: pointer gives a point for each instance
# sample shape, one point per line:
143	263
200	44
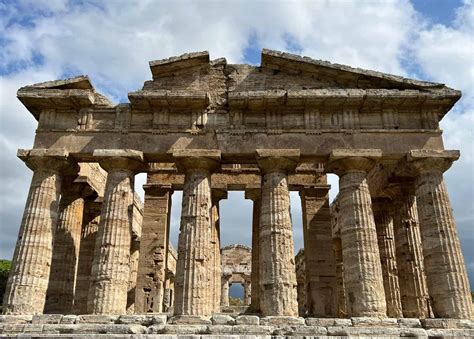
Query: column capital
277	160
56	160
197	159
120	159
342	161
425	161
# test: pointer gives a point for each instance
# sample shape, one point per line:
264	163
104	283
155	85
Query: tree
5	266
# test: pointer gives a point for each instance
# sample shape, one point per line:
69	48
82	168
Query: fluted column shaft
215	251
444	263
193	276
318	252
67	237
341	292
413	288
277	266
152	263
110	268
28	280
386	241
224	291
362	268
90	226
255	195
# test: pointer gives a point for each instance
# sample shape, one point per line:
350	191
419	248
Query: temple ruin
384	254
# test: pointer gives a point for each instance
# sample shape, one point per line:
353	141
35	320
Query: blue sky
113	41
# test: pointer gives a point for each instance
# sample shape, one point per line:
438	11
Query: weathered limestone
444	264
255	194
318	252
193	278
362	268
91	220
277	265
28	281
153	249
215	290
225	290
110	268
388	258
67	237
411	273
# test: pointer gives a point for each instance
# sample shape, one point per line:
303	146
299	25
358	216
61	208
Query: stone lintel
154	189
253	193
421	161
348	160
315	190
218	194
165	66
123	159
271	160
145	99
204	159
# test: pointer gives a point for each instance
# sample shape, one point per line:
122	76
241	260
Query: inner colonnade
386	247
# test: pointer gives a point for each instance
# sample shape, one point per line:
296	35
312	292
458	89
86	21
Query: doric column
215	261
411	275
247	292
255	194
132	281
91	219
225	291
318	252
110	268
193	277
277	264
362	268
337	248
153	248
386	240
67	237
28	281
446	275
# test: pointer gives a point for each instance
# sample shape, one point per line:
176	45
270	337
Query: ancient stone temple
383	258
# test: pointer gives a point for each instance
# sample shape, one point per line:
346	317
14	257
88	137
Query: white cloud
113	41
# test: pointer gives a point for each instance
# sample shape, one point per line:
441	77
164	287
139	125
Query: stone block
190	320
247	320
18	319
222	319
342	322
373	321
412	332
13	328
33	328
450	332
156	329
409	322
363	331
141	319
439	323
305	330
68	319
159	319
281	321
96	319
466	323
186	329
252	329
47	318
328	322
220	329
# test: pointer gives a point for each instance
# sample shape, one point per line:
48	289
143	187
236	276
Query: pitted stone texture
374	321
325	322
68	319
410	262
186	329
277	266
281	321
386	241
362	268
320	264
222	319
190	320
19	319
110	268
67	237
96	319
444	264
409	322
29	276
47	319
247	320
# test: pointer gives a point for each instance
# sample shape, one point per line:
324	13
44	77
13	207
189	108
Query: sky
112	42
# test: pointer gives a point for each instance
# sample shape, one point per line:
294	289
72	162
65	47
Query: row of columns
275	288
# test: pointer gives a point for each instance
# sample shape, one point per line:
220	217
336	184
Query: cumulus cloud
113	41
